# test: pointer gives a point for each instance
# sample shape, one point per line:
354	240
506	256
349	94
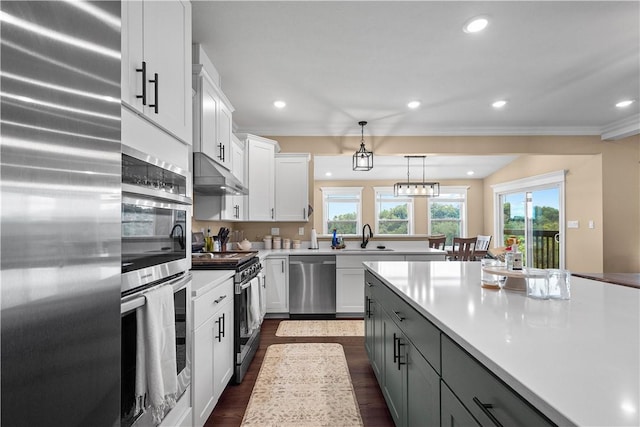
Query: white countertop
353	250
577	361
205	280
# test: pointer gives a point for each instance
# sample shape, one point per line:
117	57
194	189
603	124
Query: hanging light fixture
416	189
362	159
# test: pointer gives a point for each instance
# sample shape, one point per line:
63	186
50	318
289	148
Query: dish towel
254	304
156	378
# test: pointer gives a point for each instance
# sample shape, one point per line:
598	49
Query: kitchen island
577	362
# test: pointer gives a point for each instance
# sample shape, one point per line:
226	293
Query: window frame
327	192
388	191
451	189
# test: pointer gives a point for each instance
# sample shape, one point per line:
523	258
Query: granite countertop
577	361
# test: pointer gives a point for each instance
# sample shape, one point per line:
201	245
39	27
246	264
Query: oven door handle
134	301
246	285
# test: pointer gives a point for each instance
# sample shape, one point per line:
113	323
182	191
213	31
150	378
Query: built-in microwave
155	211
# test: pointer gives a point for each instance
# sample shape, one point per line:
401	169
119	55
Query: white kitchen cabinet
213	360
260	176
277	284
292	187
349	290
212	118
156	63
234	209
350	280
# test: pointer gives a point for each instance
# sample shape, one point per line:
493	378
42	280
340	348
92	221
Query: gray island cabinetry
448	352
423	388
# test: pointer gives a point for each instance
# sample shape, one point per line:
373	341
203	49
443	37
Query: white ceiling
394	168
560	65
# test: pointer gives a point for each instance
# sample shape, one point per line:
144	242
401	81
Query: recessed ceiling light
624	103
327	174
470	173
279	104
476	24
499	104
413	104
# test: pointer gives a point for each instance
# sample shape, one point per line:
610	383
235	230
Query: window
394	215
342	209
448	213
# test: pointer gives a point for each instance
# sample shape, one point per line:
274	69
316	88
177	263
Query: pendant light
416	189
362	159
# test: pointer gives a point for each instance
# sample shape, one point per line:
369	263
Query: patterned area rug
303	385
321	328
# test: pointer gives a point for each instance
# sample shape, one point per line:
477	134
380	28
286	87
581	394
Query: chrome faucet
365	239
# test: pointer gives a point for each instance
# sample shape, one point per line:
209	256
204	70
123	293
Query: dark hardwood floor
373	409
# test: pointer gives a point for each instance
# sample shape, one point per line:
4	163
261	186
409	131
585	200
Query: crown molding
622	128
302	130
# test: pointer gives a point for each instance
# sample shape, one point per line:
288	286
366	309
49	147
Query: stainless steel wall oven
129	310
155	210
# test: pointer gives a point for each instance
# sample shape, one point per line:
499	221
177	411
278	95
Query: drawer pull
217	301
369	284
397	313
484	407
395	348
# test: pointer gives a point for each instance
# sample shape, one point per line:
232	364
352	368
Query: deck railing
546	251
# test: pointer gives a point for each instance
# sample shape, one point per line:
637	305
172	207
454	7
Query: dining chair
437	242
482	246
463	249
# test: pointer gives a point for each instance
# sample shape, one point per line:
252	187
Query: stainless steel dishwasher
312	286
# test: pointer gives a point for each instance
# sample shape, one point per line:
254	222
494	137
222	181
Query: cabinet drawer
422	333
206	305
477	388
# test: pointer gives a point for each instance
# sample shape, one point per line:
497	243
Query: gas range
245	263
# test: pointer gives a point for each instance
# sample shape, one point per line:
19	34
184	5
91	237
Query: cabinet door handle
398	316
304	213
368	307
283	266
400	362
224	326
217	301
143	70
369	284
395	348
271	213
218	337
484	407
223	153
155	90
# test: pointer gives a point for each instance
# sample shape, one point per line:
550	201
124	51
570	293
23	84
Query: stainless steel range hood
212	179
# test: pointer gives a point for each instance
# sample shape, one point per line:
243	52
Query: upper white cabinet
212	112
260	176
156	63
292	187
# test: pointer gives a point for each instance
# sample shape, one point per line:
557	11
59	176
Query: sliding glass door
531	211
532	217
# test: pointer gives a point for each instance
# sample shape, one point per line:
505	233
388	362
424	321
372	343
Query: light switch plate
275	231
592	224
301	231
573	224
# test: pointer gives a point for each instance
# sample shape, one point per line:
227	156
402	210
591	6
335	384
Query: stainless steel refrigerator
60	213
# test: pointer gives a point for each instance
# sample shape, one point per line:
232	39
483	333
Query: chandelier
362	159
416	188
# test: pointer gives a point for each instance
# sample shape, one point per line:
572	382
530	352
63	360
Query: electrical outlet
301	231
573	224
275	231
